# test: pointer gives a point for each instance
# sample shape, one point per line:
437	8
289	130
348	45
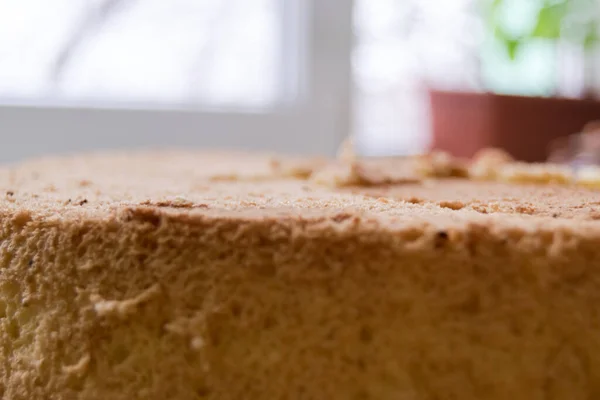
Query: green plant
574	21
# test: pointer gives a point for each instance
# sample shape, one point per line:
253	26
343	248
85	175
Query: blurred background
297	76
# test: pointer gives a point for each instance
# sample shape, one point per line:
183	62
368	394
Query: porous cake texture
181	275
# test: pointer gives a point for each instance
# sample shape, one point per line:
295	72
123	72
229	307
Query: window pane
215	52
402	48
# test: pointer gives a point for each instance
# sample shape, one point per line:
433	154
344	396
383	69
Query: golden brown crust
141	277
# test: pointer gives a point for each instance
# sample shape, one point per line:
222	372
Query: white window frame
313	124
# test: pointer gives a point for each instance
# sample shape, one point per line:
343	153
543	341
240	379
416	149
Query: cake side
152	304
176	280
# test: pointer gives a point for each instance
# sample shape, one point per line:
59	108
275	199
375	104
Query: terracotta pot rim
491	95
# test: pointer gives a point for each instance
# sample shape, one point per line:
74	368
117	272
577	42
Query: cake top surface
200	184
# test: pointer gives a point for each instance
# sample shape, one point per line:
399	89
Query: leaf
512	47
592	38
549	21
511	44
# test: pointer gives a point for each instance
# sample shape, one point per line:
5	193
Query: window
264	74
181	52
402	49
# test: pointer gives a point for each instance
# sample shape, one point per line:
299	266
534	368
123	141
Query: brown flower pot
464	123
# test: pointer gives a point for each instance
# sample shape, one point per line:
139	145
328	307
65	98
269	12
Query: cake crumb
197	343
588	176
346	152
439	164
486	162
453	205
535	173
122	308
79	368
